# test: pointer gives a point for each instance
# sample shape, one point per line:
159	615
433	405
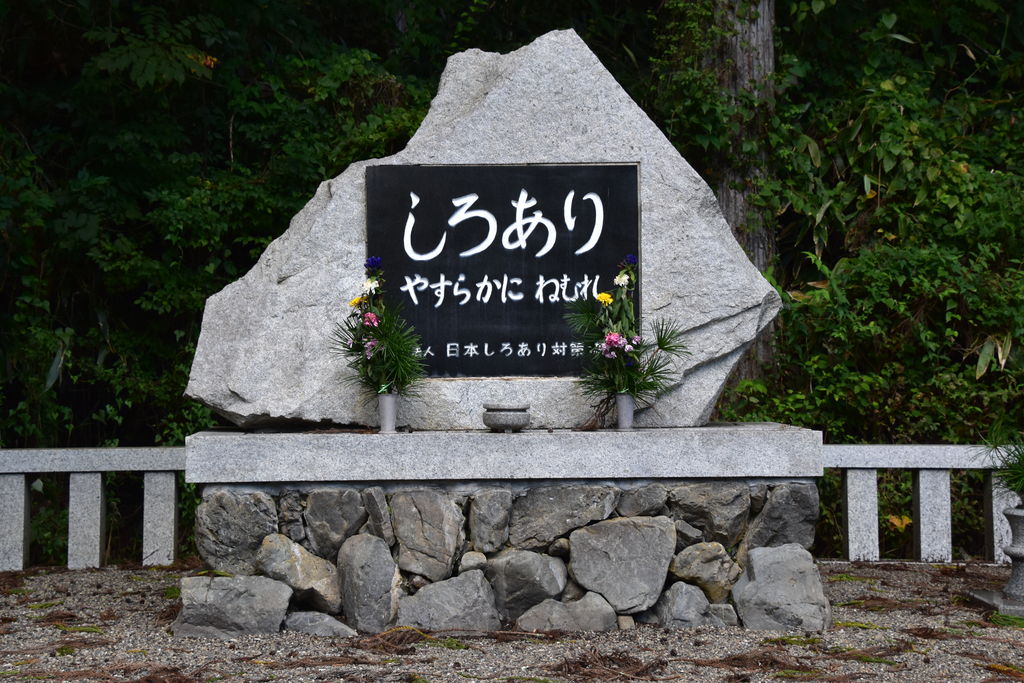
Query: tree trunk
746	62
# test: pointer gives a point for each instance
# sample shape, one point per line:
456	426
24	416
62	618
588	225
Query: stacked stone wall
568	556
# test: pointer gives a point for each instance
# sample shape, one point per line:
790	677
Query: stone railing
86	504
932	523
932	504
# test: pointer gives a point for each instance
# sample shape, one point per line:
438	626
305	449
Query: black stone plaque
483	258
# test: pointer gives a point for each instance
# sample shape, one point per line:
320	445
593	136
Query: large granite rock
289	516
264	349
718	508
781	591
231	526
589	613
488	519
522	579
227	607
314	579
378	516
317	624
624	559
462	603
331	516
682	606
644	501
789	515
369	580
428	527
547	512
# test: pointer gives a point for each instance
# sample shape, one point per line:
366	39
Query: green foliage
898	191
142	173
1009	459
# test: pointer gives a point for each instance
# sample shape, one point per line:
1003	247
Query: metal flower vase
387	407
1014	589
624	405
1010	600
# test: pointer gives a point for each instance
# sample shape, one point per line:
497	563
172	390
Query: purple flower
636	339
630	259
373	263
369	347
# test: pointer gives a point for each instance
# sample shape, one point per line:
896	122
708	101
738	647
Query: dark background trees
149	151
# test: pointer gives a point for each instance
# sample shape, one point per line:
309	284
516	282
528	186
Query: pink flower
614	339
370	319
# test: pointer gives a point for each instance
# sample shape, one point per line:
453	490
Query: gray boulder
719	508
758	496
789	515
624	559
489	109
314	579
726	613
708	566
682	606
231	526
462	603
488	519
781	591
547	512
642	502
378	517
522	579
369	582
331	516
226	607
687	534
572	592
472	560
589	613
428	528
289	516
317	624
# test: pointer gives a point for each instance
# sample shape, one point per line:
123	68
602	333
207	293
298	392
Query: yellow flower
605	298
355	302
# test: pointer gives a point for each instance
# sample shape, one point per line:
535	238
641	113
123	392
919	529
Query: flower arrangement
617	358
381	347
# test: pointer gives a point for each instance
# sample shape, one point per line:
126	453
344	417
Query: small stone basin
508	418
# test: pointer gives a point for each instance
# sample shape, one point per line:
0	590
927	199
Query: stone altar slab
747	450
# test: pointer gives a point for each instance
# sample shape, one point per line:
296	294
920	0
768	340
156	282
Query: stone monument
263	354
451	526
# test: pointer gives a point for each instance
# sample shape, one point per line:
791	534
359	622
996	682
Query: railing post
997	529
86	520
159	518
933	536
14	522
860	504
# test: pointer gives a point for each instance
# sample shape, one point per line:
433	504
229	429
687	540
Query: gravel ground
894	621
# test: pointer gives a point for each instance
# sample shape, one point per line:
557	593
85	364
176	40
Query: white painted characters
516	234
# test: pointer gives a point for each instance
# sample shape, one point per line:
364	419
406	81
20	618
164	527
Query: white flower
370	286
621	280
